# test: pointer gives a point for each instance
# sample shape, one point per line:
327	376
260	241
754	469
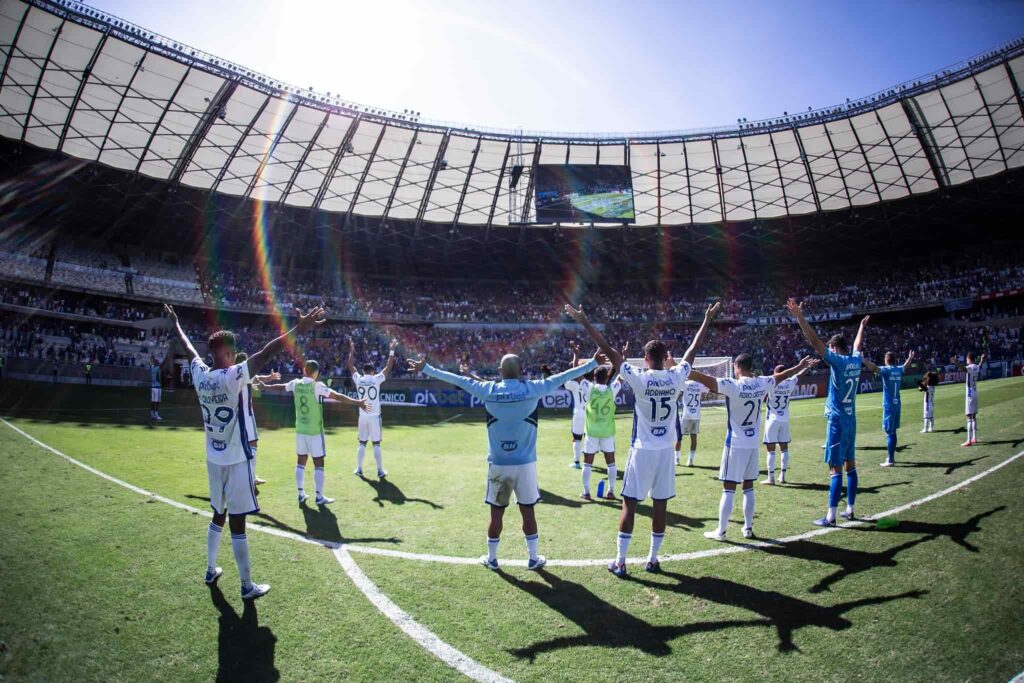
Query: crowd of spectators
62	341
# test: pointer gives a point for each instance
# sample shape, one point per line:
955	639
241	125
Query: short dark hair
656	349
368	368
602	374
241	357
839	341
546	370
744	362
970	356
221	338
312	367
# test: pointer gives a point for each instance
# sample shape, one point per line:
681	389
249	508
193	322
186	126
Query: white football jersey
247	413
655	407
690	400
220	398
368	387
579	390
972	371
778	401
743	399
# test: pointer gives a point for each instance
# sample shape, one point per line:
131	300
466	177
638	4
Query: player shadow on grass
899	449
389	492
849	562
603	624
822	487
956	532
1003	442
321	525
245	650
785	613
951	467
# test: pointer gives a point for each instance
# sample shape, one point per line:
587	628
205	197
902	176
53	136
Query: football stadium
389	358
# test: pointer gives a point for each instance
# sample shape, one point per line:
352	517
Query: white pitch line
454	559
423	636
442	422
412	628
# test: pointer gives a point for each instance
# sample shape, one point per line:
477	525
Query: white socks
748	508
492	548
318	478
656	540
300	475
613	474
531	545
623	547
785	460
972	429
212	545
771	464
831	514
587	471
241	547
690	459
360	454
577	451
677	457
378	457
725	509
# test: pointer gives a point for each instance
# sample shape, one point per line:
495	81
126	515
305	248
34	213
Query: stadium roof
100	89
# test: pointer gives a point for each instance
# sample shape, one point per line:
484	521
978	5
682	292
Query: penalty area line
423	636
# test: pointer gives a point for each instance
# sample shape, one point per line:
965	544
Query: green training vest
309	412
601	412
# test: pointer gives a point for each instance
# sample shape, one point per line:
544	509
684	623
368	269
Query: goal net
715	366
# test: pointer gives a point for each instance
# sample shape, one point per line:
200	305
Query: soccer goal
715	366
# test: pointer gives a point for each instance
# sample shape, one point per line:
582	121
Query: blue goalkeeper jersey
511	406
892	378
842	385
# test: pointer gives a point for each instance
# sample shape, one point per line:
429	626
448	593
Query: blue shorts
841	438
890	422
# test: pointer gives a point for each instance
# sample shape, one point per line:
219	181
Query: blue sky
587	66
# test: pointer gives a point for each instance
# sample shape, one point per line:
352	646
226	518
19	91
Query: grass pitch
100	583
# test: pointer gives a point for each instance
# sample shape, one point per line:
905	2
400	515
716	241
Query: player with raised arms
247	412
971	370
927	386
600	398
688	419
512	404
154	389
841	434
776	424
577	388
368	386
892	381
310	394
650	469
744	397
229	462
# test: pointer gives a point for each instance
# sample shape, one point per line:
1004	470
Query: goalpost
715	366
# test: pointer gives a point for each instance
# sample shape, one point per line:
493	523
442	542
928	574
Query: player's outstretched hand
393	345
911	355
352	344
795	309
576	314
864	321
416	365
808	362
713	310
601	358
463	368
364	405
625	349
315	316
169	310
275	376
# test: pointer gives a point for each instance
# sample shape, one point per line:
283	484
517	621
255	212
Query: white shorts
504	480
593	444
579	423
971	408
154	395
776	432
369	427
310	444
650	472
232	488
690	425
738	464
929	406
